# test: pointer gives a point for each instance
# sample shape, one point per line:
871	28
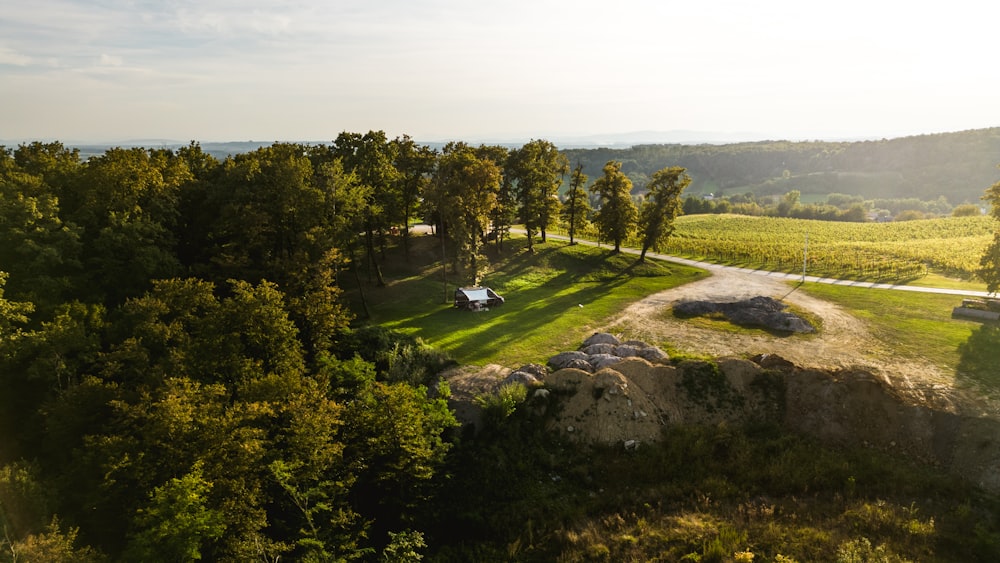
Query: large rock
600	361
562	359
602	348
601	338
759	311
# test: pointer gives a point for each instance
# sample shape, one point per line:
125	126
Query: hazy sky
114	70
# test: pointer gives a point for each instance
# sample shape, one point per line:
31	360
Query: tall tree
371	158
661	206
576	209
989	269
126	202
40	251
617	215
414	164
504	212
537	169
465	192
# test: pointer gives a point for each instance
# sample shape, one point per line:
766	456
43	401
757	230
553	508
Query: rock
600	361
653	354
604	348
580	364
772	361
627	351
759	311
601	338
695	308
522	377
636	343
563	359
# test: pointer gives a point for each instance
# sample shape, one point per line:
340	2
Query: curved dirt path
843	341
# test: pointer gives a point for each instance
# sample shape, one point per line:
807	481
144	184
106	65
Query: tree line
955	165
181	378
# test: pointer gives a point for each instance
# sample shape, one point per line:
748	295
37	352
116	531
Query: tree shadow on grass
525	312
979	361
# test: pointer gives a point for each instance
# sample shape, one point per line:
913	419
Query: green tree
177	521
504	211
371	158
415	164
661	206
576	209
465	193
617	215
989	265
37	248
127	205
537	169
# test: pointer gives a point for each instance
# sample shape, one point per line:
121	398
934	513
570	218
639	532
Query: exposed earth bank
839	385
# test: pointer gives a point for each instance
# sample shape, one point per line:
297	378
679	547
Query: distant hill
959	166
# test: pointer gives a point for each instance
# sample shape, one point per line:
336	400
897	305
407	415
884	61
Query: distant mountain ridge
958	165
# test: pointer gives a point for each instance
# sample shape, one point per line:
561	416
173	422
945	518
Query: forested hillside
958	166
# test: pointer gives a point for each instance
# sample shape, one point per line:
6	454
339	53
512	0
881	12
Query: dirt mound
630	402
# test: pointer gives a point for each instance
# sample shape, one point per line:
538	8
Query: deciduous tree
576	209
537	169
617	215
661	206
989	269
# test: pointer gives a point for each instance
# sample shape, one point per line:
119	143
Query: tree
537	169
576	209
465	192
617	215
414	165
126	202
661	206
177	521
989	270
371	158
504	211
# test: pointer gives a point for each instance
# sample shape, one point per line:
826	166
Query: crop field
902	251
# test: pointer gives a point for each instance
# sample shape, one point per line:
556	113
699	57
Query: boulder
563	359
522	377
601	361
653	354
581	365
627	351
604	348
601	338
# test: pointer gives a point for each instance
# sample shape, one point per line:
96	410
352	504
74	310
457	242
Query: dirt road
843	342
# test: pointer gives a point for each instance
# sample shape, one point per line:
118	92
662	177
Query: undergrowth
724	493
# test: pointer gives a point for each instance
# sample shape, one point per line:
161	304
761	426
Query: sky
238	70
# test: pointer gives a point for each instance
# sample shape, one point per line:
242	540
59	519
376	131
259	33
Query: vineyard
863	251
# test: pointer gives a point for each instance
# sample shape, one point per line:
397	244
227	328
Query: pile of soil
630	401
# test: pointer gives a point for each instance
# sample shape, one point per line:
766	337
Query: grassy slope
542	314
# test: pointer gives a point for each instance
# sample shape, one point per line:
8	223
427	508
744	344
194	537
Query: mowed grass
919	326
555	297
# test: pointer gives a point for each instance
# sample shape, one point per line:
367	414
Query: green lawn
919	326
555	298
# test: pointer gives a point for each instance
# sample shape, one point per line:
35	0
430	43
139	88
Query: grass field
554	299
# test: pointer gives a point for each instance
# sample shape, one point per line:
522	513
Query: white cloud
110	60
308	69
12	57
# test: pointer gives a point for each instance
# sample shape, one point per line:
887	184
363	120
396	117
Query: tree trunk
444	264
